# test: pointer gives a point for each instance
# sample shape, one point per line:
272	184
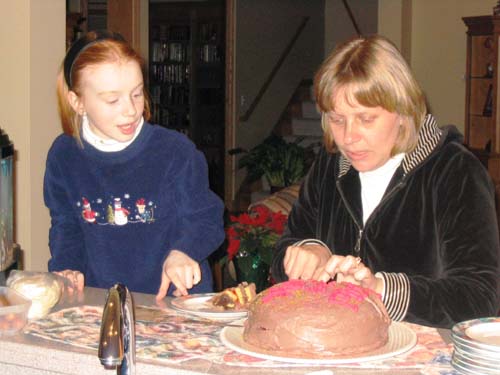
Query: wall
263	30
32	35
338	25
436	36
395	22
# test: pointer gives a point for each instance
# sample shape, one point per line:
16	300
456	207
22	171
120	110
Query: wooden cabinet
482	131
482	115
186	76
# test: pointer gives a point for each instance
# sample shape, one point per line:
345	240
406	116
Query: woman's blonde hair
95	48
371	71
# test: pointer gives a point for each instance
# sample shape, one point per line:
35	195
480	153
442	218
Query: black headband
81	45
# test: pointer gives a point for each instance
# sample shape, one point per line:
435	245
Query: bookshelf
186	76
169	76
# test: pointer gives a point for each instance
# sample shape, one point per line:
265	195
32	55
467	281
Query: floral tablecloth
164	335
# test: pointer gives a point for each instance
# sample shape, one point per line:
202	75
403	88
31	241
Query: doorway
195	98
187	76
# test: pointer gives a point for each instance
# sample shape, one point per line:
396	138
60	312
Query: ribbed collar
428	139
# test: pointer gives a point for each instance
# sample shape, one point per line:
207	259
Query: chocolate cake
314	319
235	298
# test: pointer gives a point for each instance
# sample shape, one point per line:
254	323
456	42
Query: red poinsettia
254	233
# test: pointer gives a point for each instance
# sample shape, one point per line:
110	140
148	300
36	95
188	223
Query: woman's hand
181	270
350	269
72	280
305	261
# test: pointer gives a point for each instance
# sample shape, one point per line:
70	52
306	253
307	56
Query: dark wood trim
230	108
467	90
479	25
123	16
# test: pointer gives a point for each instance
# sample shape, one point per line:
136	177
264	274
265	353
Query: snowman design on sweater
117	210
120	213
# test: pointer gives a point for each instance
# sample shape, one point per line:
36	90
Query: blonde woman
393	202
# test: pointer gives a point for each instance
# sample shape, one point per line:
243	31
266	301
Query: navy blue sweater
116	216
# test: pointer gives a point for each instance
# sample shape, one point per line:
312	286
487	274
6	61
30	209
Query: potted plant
281	163
251	238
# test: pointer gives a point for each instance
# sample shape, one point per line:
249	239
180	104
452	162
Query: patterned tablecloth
163	335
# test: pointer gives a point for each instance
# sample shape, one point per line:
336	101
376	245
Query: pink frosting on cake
316	319
345	294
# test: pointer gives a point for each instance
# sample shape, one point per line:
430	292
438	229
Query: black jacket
433	237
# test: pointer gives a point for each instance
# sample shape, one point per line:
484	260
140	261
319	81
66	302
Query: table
27	354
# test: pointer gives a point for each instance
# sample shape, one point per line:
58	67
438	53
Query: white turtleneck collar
374	183
106	145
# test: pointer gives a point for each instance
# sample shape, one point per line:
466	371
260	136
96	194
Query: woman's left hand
182	271
350	269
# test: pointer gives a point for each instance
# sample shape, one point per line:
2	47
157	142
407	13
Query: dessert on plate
235	298
313	319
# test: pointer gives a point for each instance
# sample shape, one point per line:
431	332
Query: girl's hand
181	270
72	280
305	261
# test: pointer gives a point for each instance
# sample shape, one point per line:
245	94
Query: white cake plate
401	339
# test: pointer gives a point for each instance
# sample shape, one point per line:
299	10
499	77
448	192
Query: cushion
281	201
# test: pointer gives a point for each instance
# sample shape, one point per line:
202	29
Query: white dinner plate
199	305
401	339
475	354
482	334
466	366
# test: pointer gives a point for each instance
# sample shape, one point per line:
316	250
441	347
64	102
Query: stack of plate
477	346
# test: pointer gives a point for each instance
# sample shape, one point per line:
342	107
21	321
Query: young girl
129	201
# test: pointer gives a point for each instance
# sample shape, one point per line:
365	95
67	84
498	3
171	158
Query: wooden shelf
482	115
481	111
186	76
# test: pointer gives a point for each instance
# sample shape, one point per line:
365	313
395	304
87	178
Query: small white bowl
13	311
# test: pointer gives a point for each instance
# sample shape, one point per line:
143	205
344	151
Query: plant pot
252	269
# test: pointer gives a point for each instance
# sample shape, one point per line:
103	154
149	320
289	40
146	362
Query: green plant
254	234
251	238
281	163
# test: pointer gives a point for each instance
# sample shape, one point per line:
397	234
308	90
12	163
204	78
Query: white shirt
374	183
106	145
